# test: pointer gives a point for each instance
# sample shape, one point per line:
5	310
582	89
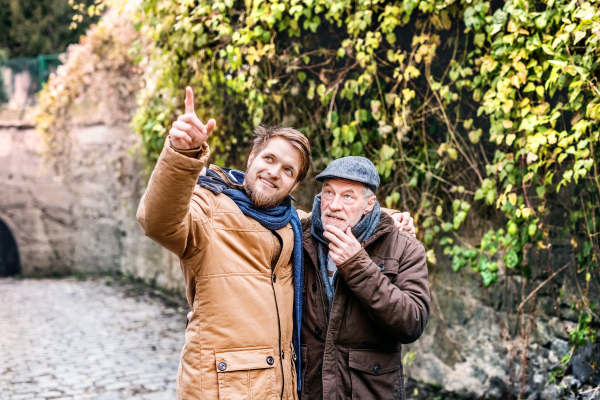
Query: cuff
355	265
188	158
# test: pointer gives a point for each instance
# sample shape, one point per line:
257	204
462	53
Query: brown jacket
238	344
381	301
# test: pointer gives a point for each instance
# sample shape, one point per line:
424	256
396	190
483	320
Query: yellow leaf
507	124
507	106
510	138
512	197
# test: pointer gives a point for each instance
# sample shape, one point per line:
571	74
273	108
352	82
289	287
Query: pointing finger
189	101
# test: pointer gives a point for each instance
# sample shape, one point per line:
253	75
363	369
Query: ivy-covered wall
481	117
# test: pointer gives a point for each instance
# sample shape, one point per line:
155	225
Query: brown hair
263	134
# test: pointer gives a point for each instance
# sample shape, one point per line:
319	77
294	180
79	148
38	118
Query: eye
348	196
289	171
268	158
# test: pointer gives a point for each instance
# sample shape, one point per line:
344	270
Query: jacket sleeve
399	304
173	211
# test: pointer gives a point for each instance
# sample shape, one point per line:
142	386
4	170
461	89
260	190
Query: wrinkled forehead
342	185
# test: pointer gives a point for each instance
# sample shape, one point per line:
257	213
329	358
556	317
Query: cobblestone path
70	339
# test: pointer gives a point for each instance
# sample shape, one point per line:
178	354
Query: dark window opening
9	253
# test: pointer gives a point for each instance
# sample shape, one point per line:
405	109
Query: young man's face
272	173
343	203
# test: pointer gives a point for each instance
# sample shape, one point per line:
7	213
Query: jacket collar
224	174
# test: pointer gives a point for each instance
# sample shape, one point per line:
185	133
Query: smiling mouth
267	183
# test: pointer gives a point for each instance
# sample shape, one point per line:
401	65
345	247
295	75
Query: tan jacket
238	344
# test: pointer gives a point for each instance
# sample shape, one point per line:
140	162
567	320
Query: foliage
100	67
477	114
473	109
29	28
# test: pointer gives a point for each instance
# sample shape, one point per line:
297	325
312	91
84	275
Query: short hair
367	192
264	133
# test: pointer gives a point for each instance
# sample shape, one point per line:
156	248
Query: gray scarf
361	231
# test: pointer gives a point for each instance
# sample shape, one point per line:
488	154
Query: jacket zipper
277	309
321	291
279	327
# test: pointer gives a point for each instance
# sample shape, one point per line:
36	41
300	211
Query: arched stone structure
10	263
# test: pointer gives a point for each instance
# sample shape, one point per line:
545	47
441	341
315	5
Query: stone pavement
72	339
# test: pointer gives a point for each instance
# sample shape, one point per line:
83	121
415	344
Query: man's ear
295	186
250	158
370	204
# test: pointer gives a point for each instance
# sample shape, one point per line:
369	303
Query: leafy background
480	116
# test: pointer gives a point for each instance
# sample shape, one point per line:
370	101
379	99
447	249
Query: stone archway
9	253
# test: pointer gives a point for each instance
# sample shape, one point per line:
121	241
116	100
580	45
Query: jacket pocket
376	374
245	374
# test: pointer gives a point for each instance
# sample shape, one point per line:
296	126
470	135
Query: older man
366	290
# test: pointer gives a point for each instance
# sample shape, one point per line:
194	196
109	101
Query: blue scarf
361	231
271	218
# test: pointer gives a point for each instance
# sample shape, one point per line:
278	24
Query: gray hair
367	192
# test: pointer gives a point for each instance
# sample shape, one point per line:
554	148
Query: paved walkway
70	339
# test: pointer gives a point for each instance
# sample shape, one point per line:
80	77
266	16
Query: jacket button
270	360
314	287
382	267
222	366
377	369
282	355
274	278
320	372
318	330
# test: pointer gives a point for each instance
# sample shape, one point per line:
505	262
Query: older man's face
343	203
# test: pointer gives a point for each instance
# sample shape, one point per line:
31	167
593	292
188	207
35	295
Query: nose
274	172
336	204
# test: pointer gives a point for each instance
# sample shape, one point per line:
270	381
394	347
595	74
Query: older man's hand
343	244
404	222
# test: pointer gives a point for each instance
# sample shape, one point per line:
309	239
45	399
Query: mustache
339	215
258	177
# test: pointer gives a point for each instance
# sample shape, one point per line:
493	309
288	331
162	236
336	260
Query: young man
366	290
240	244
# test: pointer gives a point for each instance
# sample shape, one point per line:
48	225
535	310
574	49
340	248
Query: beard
260	199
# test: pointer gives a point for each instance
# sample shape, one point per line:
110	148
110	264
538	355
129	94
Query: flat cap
358	169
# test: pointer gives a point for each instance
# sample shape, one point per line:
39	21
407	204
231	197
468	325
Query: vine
477	114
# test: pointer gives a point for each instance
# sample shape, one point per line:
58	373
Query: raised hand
188	132
342	246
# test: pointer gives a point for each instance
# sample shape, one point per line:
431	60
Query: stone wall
79	217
